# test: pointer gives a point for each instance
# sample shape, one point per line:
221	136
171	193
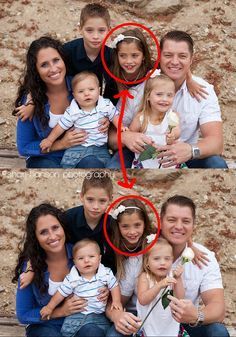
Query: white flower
150	238
157	72
117	39
187	255
118	210
173	119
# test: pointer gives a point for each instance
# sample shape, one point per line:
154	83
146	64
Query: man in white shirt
196	117
177	219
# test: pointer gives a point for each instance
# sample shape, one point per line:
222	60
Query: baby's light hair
82	76
160	243
83	243
145	109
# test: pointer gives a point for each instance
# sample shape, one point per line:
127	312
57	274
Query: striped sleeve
66	121
65	288
111	279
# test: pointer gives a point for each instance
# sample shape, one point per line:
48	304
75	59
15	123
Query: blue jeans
115	160
43	162
73	323
44	330
209	162
112	332
90	330
210	330
82	156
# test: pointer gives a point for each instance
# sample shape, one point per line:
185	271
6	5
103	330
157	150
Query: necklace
130	250
132	80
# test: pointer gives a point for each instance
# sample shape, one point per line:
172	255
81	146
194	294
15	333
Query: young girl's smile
130	59
162	95
160	260
131	229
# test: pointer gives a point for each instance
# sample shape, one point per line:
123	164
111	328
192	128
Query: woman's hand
103	295
126	323
72	305
73	137
104	125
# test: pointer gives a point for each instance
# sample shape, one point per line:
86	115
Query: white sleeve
212	277
132	270
210	109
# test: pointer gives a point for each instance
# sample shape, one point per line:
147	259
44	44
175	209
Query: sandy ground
210	23
213	192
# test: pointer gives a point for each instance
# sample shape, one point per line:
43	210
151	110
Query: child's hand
45	145
170	138
200	258
196	90
26	278
124	128
24	112
116	306
46	312
167	281
178	271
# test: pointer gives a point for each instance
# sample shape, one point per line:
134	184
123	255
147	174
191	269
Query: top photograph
125	84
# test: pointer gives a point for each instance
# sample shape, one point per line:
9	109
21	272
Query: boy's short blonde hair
94	10
82	76
84	242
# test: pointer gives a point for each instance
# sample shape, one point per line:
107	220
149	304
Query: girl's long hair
142	45
145	108
32	250
32	83
116	234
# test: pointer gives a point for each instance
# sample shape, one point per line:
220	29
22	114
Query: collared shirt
193	113
89	121
29	301
76	284
79	229
196	280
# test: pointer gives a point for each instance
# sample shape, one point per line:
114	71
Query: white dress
160	322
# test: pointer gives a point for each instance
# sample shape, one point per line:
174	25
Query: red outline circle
150	204
155	64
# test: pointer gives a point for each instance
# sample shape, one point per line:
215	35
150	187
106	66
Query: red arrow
124	94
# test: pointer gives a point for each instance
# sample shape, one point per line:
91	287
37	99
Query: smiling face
130	59
50	66
87	259
177	224
160	260
86	93
95	202
161	96
176	60
131	228
50	234
94	31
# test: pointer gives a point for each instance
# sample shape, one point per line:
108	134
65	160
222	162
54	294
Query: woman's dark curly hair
32	82
31	250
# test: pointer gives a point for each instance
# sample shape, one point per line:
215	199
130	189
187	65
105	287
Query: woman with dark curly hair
50	255
46	87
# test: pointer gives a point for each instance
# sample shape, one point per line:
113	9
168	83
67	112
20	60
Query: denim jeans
43	330
73	323
112	332
90	330
115	160
210	330
98	156
42	162
216	162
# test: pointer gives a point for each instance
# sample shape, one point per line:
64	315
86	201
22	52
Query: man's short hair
178	36
179	200
94	10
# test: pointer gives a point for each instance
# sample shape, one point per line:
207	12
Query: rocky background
213	192
211	23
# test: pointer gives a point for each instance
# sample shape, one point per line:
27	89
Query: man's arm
184	311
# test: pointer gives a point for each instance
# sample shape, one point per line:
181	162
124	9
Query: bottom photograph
95	253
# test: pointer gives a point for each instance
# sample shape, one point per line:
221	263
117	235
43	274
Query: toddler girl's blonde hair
145	108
